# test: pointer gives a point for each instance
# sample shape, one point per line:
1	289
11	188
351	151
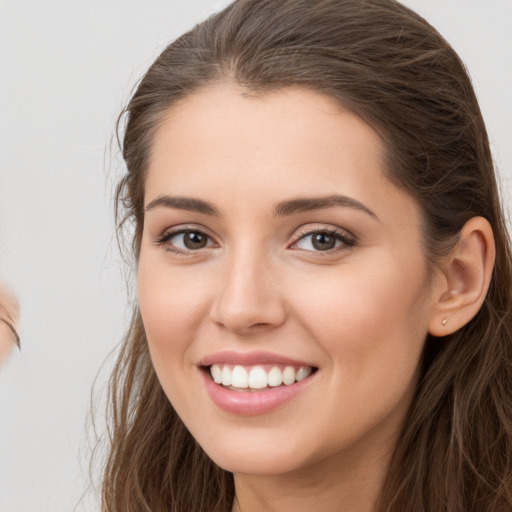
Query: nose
249	299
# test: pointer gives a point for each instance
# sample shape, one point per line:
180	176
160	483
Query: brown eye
185	240
323	241
194	240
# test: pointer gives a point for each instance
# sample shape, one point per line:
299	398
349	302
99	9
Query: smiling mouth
258	377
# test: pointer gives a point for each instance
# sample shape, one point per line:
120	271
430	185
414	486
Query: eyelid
347	238
168	233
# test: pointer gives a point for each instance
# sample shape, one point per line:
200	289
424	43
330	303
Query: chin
256	465
261	459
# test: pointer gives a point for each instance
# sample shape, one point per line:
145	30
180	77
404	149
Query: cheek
366	319
372	330
172	309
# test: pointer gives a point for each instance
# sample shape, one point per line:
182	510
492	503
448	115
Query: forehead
285	114
290	142
225	123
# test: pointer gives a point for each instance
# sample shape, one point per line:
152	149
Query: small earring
444	322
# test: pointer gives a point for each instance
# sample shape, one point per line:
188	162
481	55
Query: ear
464	278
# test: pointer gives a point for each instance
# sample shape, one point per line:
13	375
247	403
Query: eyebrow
282	209
183	203
306	204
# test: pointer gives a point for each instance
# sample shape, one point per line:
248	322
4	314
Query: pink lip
252	403
250	359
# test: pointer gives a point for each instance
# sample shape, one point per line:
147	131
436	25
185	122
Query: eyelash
347	241
169	235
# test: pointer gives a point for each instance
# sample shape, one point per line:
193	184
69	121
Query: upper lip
250	359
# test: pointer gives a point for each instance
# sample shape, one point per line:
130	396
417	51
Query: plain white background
67	69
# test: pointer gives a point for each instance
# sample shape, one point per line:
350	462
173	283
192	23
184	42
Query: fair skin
337	285
8	320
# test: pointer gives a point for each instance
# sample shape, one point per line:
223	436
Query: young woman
324	273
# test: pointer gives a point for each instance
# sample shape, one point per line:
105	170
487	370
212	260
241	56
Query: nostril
259	326
244	305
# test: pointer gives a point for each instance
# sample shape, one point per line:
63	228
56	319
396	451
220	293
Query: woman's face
274	248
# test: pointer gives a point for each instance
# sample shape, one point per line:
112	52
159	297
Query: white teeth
216	373
302	373
240	377
226	376
289	375
275	377
256	377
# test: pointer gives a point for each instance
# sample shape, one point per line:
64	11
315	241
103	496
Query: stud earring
444	322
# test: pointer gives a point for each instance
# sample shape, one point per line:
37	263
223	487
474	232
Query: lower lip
252	403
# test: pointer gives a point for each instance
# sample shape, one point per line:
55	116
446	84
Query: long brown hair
387	65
